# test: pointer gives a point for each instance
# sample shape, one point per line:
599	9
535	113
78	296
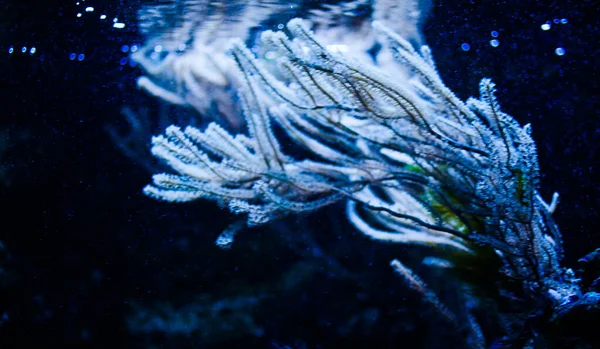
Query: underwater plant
414	164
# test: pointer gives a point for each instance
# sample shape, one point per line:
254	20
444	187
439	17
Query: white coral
415	163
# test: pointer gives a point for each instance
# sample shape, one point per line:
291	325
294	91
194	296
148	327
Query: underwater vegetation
310	124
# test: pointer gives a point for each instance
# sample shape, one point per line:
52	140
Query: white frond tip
234	44
226	239
551	208
298	27
180	189
554	203
171	195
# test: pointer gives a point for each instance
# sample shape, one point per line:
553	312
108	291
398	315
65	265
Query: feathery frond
415	163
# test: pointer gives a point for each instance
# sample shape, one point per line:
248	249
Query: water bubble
270	55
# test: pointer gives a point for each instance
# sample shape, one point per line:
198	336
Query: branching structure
414	163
